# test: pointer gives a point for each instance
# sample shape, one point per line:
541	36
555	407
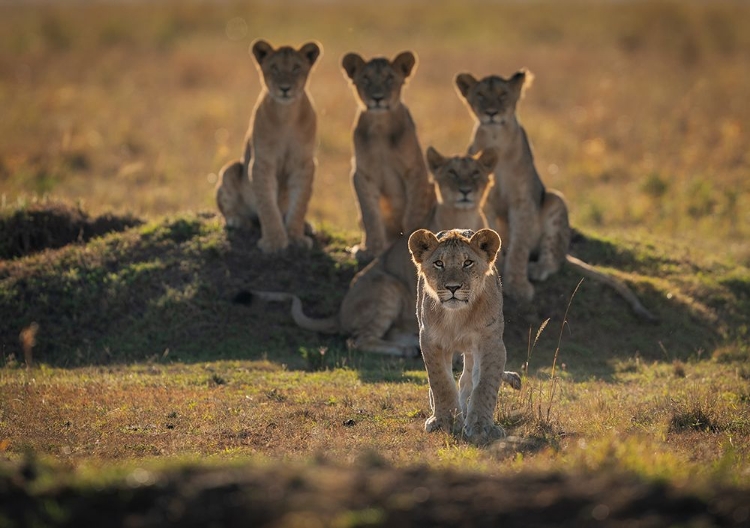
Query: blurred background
638	113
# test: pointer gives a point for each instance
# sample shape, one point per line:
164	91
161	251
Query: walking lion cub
460	309
272	183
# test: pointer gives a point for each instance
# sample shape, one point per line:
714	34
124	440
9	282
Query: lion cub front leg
446	411
374	239
265	187
516	263
555	239
487	374
300	191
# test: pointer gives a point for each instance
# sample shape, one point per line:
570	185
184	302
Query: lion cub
460	309
532	220
389	175
273	181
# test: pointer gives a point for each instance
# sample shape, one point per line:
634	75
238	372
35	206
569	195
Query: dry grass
695	428
638	114
135	107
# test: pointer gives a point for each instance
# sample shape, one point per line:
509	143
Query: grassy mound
163	290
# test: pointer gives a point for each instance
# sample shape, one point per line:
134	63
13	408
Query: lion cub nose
453	288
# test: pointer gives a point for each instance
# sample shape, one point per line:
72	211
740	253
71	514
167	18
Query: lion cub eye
468	263
274	69
438	264
295	68
366	81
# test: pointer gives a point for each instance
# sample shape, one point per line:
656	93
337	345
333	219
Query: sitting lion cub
273	181
532	220
390	178
460	309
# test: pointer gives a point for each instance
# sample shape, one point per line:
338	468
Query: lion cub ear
352	63
311	51
261	49
404	63
487	160
520	82
434	160
465	82
487	243
421	243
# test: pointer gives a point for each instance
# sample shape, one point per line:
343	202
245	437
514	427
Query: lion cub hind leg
370	309
555	237
234	195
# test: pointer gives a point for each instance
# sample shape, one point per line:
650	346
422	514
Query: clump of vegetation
41	226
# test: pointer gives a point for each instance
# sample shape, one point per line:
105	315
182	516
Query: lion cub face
454	263
462	181
378	82
493	99
285	70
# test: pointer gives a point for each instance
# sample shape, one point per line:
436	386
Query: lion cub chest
380	151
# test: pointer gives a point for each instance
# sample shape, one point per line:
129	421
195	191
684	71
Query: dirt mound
321	495
54	225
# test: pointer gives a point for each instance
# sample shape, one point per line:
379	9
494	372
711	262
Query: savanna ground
134	393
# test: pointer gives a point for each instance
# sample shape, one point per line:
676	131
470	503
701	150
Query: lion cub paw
361	255
304	242
521	290
272	245
447	424
483	434
537	272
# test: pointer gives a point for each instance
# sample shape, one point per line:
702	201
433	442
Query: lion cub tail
328	325
620	287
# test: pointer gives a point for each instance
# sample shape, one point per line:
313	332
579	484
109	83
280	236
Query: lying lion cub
273	182
460	309
389	176
377	311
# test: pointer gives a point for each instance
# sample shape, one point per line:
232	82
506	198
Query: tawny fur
273	181
531	220
460	310
389	176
